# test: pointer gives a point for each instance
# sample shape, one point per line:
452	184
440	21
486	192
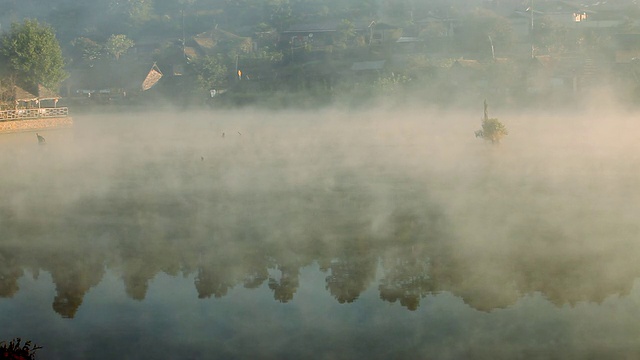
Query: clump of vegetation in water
15	351
492	129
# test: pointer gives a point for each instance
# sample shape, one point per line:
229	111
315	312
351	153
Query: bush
492	129
13	350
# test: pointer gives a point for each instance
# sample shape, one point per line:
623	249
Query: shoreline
15	126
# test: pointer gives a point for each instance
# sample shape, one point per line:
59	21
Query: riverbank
11	126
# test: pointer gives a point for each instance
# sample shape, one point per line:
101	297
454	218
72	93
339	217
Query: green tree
117	45
134	12
31	53
85	51
345	34
210	72
399	10
551	37
392	84
367	8
483	31
278	13
492	129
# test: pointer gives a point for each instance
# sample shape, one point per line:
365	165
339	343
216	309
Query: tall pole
493	52
184	50
486	111
532	38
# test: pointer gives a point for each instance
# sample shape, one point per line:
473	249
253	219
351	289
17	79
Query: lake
387	234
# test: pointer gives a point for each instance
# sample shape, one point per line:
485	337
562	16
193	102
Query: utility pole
184	49
237	73
493	52
532	37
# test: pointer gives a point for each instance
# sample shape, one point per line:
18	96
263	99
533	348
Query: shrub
492	129
13	350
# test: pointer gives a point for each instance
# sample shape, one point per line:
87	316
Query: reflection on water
367	210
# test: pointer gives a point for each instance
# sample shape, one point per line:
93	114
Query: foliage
13	350
345	34
492	129
392	84
461	31
368	8
421	66
397	9
482	30
278	13
85	51
32	54
210	72
551	37
267	55
135	12
434	30
117	45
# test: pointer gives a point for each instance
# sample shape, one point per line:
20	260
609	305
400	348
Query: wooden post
486	112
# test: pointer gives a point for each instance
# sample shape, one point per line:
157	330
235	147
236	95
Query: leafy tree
552	37
32	54
492	129
210	72
86	51
345	34
117	45
278	13
135	12
434	30
368	8
392	84
398	9
482	30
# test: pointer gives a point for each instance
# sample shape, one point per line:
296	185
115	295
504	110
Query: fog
398	205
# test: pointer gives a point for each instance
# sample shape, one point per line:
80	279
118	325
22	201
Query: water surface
334	236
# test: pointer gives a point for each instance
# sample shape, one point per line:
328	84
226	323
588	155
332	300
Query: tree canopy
117	45
210	72
483	29
32	54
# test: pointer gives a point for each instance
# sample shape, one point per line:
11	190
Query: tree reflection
255	278
73	275
406	280
212	281
286	285
10	272
400	244
350	276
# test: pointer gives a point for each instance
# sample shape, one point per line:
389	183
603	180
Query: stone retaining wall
35	124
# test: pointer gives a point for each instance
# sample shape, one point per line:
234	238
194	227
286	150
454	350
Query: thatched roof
17	93
153	76
46	93
217	40
20	94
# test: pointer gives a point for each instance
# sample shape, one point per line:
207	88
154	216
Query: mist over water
381	217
